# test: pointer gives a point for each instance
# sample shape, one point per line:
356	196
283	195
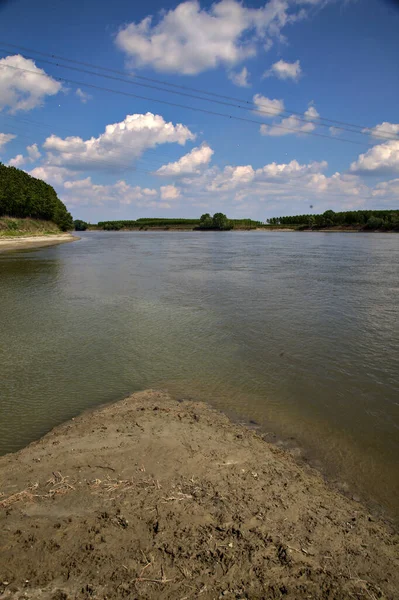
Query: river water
298	332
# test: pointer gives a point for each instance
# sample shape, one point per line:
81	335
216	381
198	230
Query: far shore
154	497
34	241
240	229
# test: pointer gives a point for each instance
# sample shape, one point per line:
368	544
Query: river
297	332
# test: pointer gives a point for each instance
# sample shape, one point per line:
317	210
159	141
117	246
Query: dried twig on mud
22	495
180	496
104	467
111	485
59	485
163	579
115	484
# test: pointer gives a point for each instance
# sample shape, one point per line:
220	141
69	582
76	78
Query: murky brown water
299	332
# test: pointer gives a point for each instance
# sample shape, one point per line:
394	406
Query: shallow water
297	331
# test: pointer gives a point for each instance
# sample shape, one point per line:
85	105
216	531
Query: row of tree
366	219
24	196
145	224
218	222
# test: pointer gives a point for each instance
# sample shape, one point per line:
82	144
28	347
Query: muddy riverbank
157	498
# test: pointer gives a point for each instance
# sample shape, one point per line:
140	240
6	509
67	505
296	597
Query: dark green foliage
146	224
245	224
165	222
218	222
206	221
80	225
111	225
24	196
374	223
363	219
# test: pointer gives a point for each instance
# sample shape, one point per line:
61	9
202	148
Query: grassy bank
13	227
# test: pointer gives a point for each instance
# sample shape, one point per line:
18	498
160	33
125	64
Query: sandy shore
34	241
155	498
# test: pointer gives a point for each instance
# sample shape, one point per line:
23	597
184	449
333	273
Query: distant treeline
205	222
365	219
145	223
24	196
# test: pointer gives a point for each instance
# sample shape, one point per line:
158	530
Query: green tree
329	216
206	221
24	196
374	223
220	221
80	225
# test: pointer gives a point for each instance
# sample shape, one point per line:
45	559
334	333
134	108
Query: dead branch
23	494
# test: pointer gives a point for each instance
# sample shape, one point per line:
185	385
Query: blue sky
288	69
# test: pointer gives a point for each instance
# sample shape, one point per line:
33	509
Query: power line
257	110
184	106
343	125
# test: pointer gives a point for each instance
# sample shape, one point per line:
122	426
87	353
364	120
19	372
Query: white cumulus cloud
189	163
335	131
240	78
83	96
383	158
17	161
267	107
33	152
5	138
279	188
23	86
384	130
33	155
231	178
387	190
291	186
290	170
292	124
120	144
311	112
169	192
84	191
189	39
51	174
285	70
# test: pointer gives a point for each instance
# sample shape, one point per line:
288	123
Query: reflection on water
299	332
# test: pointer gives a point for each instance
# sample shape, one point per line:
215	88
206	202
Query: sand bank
34	241
155	498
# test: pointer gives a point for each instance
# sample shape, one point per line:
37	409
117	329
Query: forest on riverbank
25	197
361	220
219	222
386	220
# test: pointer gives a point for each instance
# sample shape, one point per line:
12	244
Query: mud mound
155	498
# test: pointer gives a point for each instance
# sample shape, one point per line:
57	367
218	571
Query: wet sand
152	497
34	241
